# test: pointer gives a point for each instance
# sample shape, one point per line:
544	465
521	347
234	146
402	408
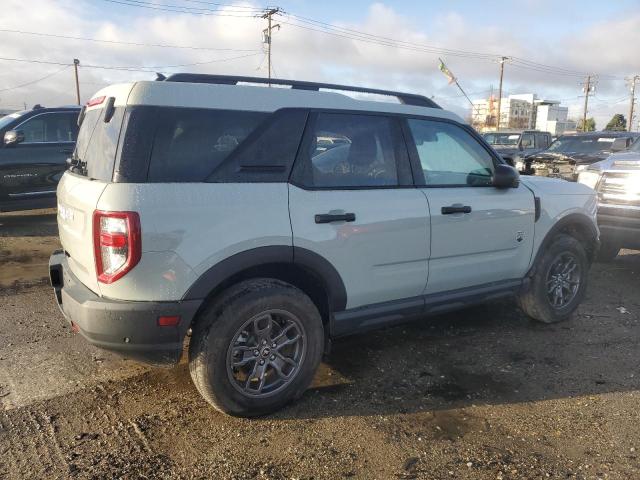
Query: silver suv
268	221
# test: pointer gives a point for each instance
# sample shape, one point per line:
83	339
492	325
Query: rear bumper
622	227
129	328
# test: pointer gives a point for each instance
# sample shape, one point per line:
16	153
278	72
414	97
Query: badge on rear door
519	236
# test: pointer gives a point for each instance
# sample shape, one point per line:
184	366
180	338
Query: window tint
50	127
97	143
449	155
345	150
190	143
527	140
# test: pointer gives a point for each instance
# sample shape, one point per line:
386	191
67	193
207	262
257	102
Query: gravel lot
483	393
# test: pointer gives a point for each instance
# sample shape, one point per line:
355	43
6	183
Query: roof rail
405	98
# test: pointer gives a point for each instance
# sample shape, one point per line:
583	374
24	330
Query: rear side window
353	151
449	155
189	144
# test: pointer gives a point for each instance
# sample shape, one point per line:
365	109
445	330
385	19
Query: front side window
190	143
345	150
449	155
50	128
527	140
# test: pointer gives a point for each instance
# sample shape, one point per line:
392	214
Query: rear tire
559	282
608	251
267	316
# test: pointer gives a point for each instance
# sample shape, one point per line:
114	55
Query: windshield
502	138
580	144
7	119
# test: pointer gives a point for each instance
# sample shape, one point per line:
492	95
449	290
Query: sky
551	45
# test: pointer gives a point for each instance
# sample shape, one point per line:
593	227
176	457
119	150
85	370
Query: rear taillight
117	243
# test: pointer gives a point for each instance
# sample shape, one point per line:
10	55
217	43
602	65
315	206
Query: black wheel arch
303	268
579	226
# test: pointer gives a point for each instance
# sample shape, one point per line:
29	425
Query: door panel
479	234
355	205
382	254
493	242
33	168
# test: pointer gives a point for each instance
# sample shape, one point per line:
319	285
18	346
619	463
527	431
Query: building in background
551	117
521	112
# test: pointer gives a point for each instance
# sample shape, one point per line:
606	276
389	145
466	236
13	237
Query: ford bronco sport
268	221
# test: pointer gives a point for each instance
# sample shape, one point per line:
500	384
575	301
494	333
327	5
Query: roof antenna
160	77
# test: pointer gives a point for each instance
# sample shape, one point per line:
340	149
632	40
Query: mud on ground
483	393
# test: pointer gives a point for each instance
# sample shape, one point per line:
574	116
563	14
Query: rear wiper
76	165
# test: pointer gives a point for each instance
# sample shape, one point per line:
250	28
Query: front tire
256	347
559	282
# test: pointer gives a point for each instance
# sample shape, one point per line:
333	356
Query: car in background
514	146
617	183
35	146
570	154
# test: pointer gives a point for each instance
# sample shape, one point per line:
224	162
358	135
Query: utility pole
588	86
634	79
76	62
266	33
502	60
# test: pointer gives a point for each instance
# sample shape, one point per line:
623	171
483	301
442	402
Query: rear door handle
335	217
457	208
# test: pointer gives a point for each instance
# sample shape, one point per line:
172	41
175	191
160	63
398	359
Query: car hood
504	150
569	157
554	186
619	161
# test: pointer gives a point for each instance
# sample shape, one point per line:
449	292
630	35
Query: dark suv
35	146
515	146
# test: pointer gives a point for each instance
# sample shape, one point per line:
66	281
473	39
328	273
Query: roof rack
405	98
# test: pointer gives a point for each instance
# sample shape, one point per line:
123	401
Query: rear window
97	143
189	144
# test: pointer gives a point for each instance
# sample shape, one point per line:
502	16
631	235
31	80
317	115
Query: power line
184	9
149	69
35	81
119	42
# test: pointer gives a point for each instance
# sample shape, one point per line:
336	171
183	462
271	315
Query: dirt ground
483	393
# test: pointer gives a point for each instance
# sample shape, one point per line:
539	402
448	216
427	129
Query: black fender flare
572	219
311	262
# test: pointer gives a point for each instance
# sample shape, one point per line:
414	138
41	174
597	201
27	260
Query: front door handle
457	208
335	217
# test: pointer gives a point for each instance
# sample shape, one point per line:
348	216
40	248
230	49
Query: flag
447	73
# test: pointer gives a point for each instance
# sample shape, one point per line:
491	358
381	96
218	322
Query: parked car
617	182
570	154
208	212
36	144
515	146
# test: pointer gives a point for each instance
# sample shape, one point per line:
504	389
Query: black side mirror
13	137
506	176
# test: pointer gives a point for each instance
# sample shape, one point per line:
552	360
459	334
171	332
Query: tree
591	125
617	123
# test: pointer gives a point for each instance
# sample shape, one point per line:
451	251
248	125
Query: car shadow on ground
489	354
37	223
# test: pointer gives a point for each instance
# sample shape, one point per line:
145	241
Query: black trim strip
360	319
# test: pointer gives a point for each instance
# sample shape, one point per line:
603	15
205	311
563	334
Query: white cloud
608	47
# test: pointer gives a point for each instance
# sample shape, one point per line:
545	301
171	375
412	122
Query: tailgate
77	199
